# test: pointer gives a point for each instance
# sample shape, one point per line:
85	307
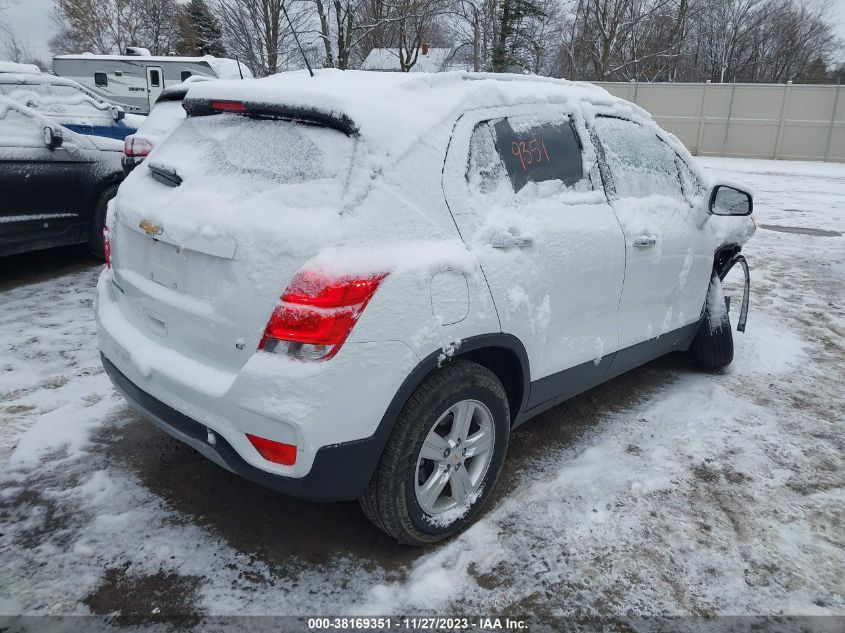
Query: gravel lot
665	491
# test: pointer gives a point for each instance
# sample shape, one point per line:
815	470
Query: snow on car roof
13	67
392	111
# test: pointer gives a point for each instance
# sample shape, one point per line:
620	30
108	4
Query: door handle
510	241
644	241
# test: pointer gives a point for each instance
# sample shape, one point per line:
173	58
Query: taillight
136	146
276	452
227	106
107	246
316	314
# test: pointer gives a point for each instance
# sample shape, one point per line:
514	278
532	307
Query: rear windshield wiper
165	175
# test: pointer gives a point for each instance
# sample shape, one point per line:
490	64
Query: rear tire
399	498
713	345
98	222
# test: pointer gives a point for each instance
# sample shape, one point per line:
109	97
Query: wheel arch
503	354
723	256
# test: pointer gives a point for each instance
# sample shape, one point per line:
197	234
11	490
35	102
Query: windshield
65	103
266	149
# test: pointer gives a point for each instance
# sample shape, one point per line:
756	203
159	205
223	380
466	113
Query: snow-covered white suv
356	285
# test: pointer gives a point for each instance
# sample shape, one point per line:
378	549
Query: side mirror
727	200
53	138
118	113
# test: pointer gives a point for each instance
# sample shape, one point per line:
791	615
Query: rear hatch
216	222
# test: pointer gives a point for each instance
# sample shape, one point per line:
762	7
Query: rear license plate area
166	265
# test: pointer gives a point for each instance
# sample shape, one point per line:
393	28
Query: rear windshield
262	150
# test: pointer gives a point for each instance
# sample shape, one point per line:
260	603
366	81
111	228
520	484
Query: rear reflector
316	314
276	452
227	106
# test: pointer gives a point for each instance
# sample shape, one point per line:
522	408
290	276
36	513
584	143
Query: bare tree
470	23
96	26
12	49
4	4
257	32
340	30
158	25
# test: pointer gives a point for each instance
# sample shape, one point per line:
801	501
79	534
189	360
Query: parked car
357	285
66	102
167	113
56	184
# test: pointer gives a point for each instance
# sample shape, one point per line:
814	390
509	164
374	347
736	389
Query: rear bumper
334	413
339	473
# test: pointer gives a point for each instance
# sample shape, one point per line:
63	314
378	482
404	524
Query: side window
539	152
485	171
101	79
155	79
185	74
641	164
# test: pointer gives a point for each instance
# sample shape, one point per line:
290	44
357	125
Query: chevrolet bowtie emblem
149	228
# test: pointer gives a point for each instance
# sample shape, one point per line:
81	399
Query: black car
55	183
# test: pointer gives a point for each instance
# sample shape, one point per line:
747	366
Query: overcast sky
30	22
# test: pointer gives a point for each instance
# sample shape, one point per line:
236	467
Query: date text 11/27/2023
417	624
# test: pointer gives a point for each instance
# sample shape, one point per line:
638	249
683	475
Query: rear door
155	83
526	194
669	254
42	198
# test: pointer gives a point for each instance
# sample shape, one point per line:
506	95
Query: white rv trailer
135	81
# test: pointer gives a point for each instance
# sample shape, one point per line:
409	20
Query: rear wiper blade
165	175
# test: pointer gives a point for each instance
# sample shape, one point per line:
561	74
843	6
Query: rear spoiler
205	107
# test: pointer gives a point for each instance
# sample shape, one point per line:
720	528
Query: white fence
786	121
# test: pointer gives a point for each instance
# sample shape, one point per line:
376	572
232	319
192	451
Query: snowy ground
667	490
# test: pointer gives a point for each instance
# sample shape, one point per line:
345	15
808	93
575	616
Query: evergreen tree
513	18
199	31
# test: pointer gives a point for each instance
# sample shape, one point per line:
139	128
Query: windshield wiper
165	175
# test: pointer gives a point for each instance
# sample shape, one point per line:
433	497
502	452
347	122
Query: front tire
98	222
442	458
